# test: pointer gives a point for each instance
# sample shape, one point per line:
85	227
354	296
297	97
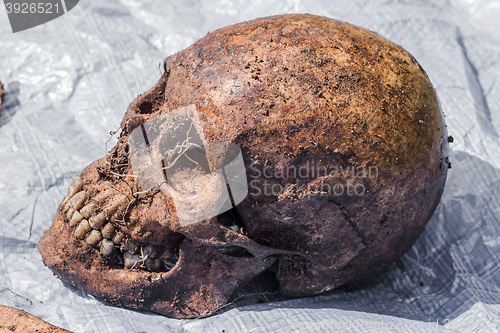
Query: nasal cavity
145	107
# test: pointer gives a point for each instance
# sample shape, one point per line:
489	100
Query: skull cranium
342	142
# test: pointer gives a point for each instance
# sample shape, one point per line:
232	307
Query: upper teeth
93	228
107	230
77	200
86	211
82	229
97	221
88	225
106	247
77	218
94	238
75	186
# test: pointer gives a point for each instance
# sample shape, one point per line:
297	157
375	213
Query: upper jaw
120	247
122	225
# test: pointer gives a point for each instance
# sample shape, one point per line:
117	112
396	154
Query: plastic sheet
68	83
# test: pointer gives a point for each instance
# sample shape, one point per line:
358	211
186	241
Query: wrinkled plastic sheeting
68	84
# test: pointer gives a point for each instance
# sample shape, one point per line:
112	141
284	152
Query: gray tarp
68	83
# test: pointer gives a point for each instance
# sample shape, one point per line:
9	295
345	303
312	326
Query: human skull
294	143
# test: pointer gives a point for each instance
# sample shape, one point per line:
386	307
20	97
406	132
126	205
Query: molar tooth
106	247
117	239
167	254
86	211
69	213
153	265
130	259
149	251
94	238
77	200
75	186
107	230
97	221
82	229
77	217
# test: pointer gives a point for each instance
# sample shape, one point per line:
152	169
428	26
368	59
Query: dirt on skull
336	132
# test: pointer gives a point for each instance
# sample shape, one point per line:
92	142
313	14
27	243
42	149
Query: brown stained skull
344	150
